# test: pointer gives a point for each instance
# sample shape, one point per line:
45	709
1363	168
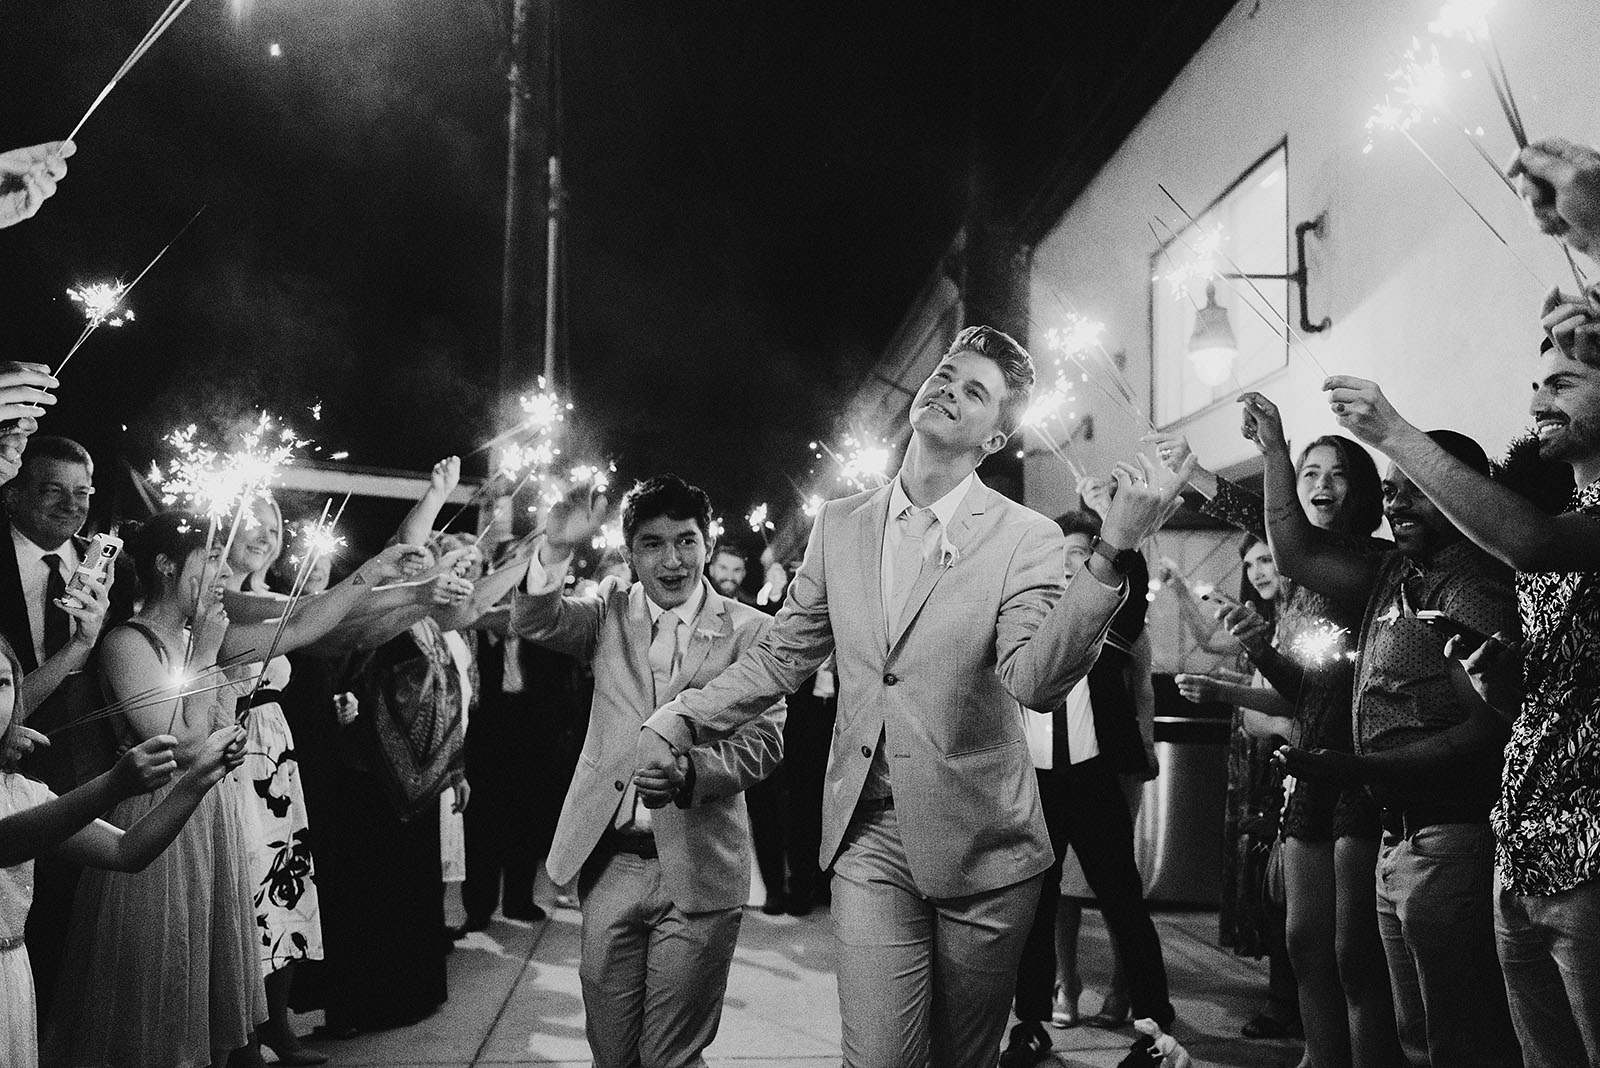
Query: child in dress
34	821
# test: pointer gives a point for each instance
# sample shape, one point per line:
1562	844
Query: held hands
1262	424
147	766
1495	671
210	623
572	523
28	178
656	763
1560	180
658	787
463	795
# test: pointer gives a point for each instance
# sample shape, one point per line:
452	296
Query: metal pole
551	275
513	278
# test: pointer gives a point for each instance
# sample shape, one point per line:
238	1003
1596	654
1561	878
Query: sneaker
1029	1045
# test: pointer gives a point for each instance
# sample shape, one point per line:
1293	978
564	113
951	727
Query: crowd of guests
219	802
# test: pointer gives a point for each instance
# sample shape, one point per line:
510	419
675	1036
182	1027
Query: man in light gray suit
945	606
661	889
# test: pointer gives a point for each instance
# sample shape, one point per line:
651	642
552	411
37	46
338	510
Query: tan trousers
653	976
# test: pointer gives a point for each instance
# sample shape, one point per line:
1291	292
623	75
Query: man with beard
1547	820
726	571
1426	744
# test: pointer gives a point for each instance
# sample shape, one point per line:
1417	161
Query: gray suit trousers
653	976
923	982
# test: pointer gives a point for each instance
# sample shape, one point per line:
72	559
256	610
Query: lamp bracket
1312	226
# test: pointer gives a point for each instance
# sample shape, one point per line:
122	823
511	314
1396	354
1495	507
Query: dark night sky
756	192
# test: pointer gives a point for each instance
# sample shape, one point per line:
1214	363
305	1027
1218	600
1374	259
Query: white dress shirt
34	574
1040	730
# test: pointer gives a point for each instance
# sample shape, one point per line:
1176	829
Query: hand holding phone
97	561
1468	641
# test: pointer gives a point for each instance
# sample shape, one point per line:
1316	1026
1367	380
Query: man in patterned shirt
1547	821
1427	747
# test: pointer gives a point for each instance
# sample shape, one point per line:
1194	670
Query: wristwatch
1121	560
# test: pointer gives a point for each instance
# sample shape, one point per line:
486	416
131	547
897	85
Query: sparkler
610	536
1077	343
812	506
757	518
1292	334
152	35
102	300
320	536
1321	645
1469	20
863	462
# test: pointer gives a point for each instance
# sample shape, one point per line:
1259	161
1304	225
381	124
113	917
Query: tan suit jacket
704	847
986	632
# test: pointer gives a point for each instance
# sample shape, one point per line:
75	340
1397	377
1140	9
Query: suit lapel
707	627
960	536
636	627
870	518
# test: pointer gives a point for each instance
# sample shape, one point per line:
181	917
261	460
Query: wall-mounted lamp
1213	346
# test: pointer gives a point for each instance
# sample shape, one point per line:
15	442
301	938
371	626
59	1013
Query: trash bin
1177	838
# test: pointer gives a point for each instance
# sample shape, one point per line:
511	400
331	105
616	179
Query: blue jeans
1435	912
1550	951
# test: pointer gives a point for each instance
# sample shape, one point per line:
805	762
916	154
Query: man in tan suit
945	606
661	889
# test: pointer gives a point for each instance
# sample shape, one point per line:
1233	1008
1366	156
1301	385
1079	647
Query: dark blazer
76	756
1116	719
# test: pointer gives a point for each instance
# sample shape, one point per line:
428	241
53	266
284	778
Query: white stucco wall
1423	298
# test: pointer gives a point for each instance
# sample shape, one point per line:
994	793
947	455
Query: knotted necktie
917	526
57	624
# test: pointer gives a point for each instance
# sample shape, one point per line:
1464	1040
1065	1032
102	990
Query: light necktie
57	624
916	527
631	815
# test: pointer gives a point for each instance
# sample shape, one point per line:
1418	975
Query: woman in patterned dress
282	871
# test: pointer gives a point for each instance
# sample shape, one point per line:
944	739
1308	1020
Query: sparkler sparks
100	303
1079	335
1200	266
1466	19
863	462
757	518
610	536
1321	645
207	480
543	410
812	506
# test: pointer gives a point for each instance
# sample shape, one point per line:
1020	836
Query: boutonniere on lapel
708	633
949	555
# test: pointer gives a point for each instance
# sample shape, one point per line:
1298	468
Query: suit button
866	750
618	784
890	679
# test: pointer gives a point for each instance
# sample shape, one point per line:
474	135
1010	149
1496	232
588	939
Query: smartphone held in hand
97	561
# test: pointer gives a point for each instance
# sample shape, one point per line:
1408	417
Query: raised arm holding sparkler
1560	180
1302	553
28	178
